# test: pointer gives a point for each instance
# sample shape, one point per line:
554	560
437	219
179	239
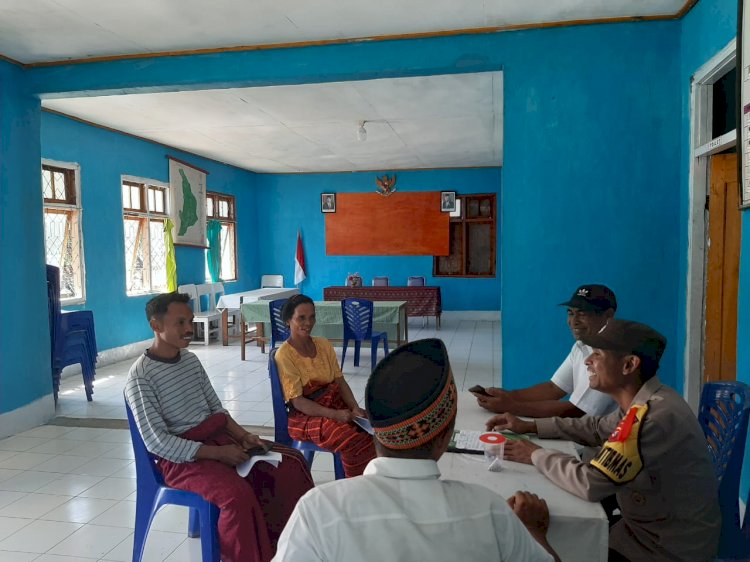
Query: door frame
702	146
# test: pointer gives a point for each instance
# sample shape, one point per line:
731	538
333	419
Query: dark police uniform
655	458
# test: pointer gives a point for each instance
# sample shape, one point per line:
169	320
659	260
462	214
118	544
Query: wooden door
722	271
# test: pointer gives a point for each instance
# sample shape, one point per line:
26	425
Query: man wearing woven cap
589	309
399	509
653	454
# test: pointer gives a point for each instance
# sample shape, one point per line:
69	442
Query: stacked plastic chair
723	414
281	423
72	337
279	330
357	315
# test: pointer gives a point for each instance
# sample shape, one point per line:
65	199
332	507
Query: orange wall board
403	224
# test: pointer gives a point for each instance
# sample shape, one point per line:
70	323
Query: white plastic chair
199	316
380	281
217	290
271	281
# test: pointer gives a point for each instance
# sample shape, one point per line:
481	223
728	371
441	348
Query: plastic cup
494	449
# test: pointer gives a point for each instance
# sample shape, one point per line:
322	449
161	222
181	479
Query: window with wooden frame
144	207
472	239
221	207
63	238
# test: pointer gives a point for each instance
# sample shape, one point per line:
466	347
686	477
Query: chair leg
309	457
143	517
357	347
209	533
206	332
194	524
343	353
338	467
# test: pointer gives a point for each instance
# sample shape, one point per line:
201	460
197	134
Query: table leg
437	320
225	327
260	336
406	327
243	333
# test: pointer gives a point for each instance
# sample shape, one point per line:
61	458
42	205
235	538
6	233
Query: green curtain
171	259
213	256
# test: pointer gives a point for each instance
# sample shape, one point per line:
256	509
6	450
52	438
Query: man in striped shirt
198	443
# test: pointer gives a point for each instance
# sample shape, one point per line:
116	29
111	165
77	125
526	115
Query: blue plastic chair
357	315
279	330
152	494
281	423
72	337
723	414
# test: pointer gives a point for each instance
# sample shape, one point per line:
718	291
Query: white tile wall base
110	356
39	412
478	315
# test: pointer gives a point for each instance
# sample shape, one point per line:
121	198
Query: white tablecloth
578	529
233	301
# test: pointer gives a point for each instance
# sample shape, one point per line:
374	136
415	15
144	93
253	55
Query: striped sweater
167	399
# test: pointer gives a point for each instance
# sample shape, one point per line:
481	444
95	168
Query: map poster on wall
187	188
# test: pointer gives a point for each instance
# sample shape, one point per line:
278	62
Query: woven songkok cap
411	397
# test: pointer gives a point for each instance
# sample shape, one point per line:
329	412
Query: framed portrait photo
327	202
447	201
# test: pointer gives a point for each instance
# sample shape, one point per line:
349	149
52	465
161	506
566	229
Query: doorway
705	143
722	270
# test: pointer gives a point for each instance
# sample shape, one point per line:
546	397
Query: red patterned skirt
355	445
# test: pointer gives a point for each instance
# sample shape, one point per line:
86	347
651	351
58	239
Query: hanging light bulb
362	132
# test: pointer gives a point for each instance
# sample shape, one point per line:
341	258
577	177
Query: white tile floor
68	493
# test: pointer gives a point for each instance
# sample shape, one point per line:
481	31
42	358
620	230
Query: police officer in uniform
653	452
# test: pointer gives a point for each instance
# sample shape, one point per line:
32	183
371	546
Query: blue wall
590	181
104	156
24	334
293	200
591	165
592	184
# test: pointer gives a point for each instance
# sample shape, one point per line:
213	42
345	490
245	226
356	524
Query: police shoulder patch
620	457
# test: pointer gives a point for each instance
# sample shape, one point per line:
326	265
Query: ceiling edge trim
325	42
12	61
689	5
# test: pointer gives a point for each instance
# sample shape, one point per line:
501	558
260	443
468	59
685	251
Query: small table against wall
233	301
388	316
420	301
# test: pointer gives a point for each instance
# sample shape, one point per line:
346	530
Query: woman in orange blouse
321	404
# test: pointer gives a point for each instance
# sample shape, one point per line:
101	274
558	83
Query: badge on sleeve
620	457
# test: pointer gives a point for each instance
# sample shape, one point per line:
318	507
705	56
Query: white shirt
572	376
400	510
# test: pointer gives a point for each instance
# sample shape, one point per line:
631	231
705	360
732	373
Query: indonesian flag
299	262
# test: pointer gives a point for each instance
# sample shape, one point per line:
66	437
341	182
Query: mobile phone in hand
479	389
259	449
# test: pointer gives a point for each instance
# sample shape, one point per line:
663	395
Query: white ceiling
427	122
